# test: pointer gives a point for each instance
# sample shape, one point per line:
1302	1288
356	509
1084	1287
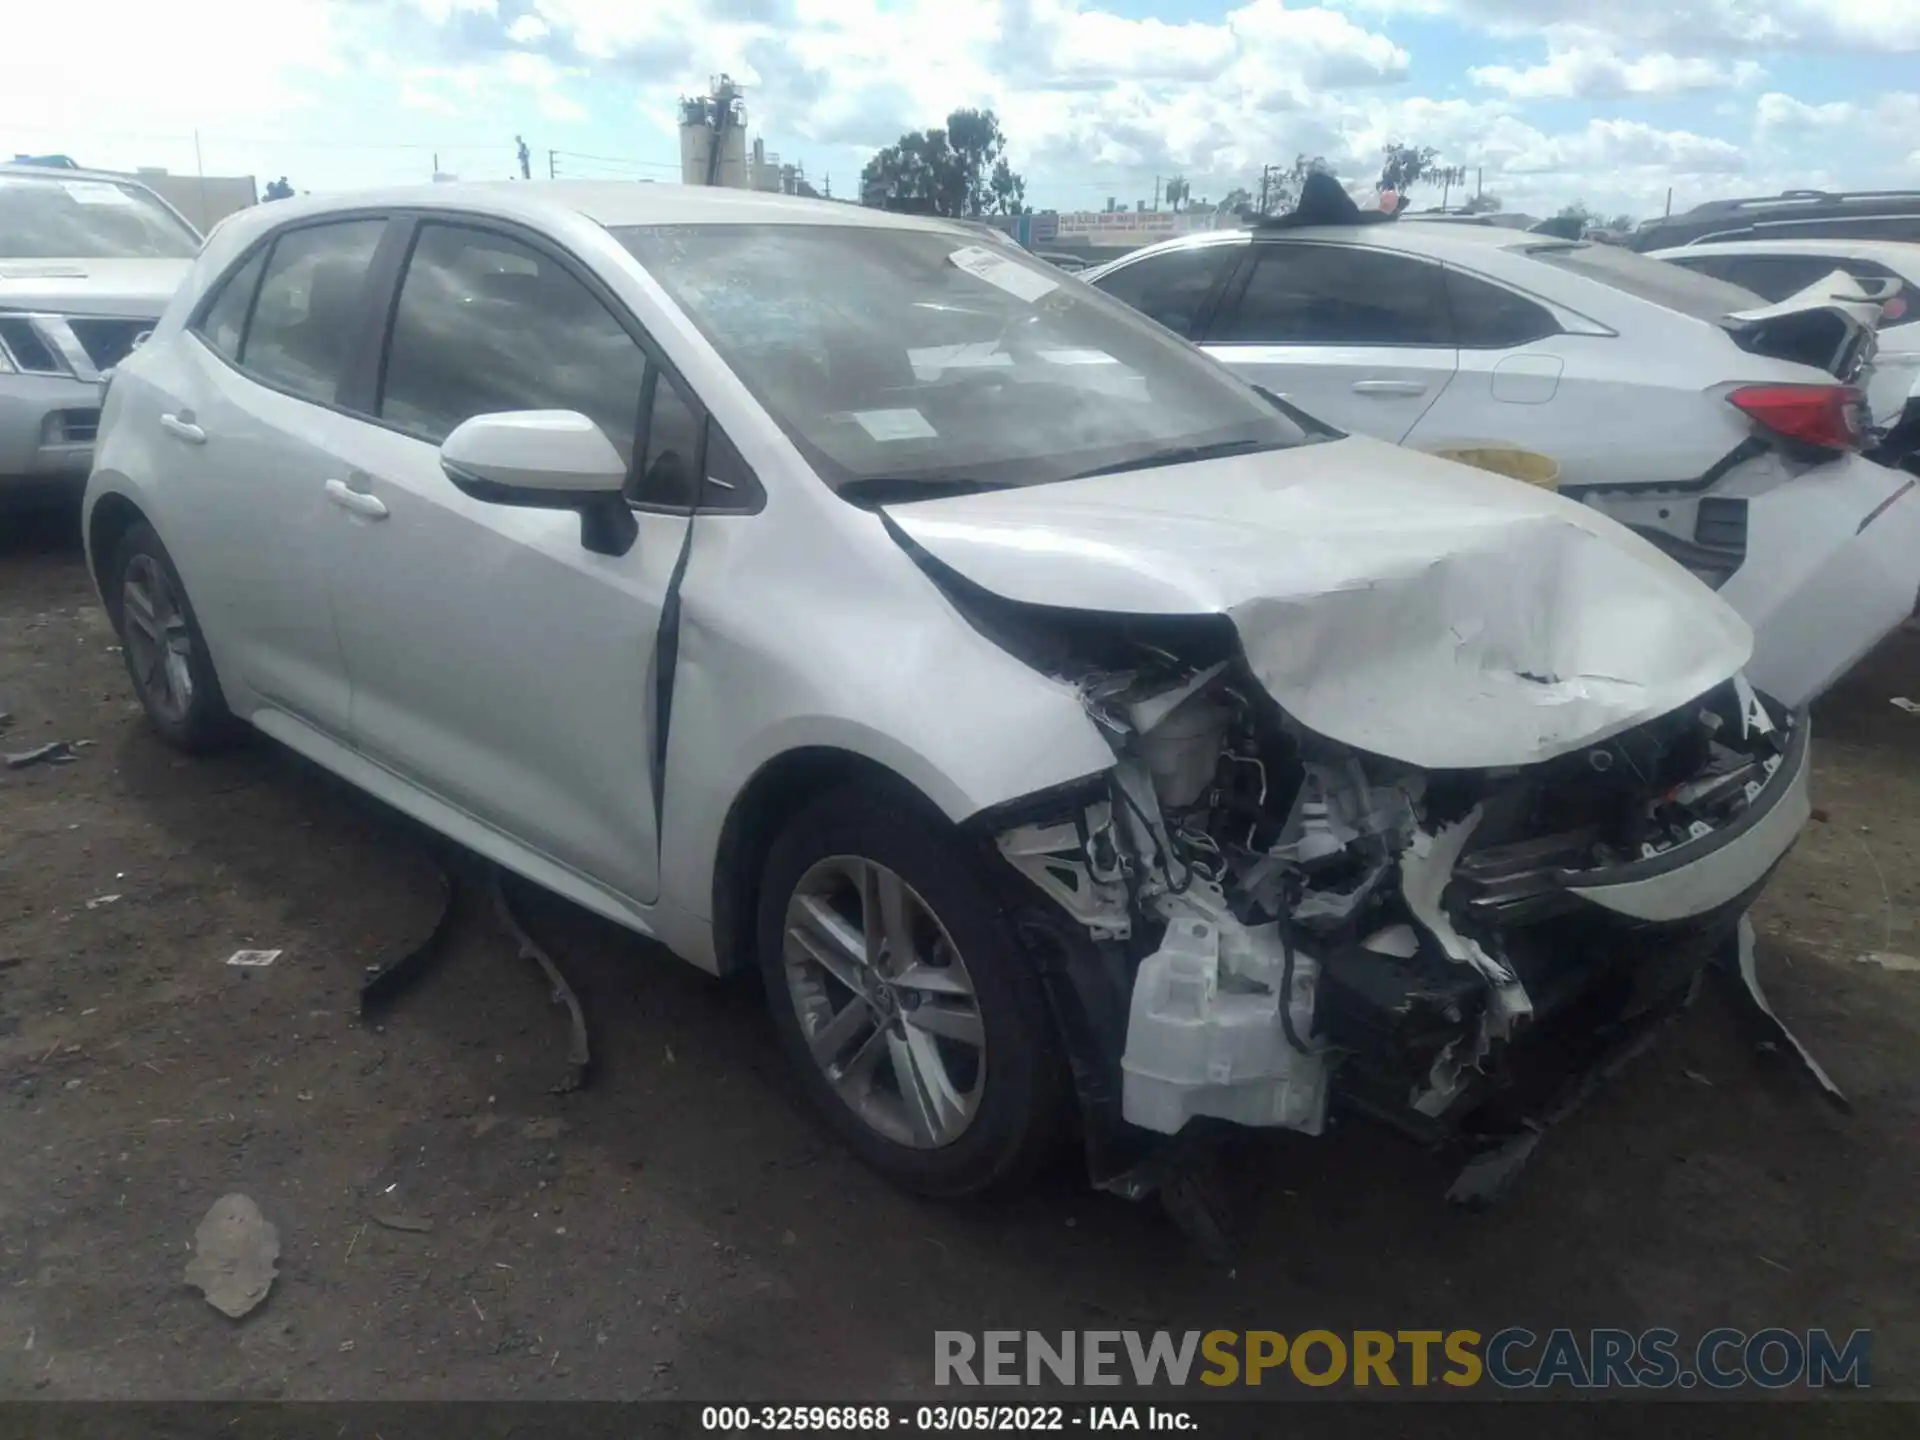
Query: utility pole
1156	192
1669	200
553	164
1479	181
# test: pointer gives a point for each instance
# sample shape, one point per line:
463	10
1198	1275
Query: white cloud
1094	101
1601	75
1684	27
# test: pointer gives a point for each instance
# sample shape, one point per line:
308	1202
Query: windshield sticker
1003	274
895	424
95	192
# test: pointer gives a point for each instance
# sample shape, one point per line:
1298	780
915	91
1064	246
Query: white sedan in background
1042	711
1725	430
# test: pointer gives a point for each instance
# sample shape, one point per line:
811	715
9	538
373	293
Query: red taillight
1826	417
1894	309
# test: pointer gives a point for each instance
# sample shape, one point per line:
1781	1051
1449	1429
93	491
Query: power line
619	161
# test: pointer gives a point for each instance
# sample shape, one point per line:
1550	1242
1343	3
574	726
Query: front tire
160	639
912	1016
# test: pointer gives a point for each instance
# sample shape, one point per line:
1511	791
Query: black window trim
1237	290
656	359
1203	313
358	394
1544	306
347	391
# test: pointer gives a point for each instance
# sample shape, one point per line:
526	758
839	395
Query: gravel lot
681	1227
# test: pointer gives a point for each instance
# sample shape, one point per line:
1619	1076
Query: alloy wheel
885	1002
159	645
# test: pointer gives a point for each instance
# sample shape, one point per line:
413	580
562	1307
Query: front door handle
357	501
181	427
1389	387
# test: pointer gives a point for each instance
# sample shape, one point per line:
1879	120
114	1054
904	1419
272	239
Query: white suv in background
1724	430
87	262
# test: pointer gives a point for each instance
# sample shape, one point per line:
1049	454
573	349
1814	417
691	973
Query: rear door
1355	335
496	663
269	366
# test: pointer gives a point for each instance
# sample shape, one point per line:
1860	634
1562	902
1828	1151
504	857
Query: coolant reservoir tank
1183	751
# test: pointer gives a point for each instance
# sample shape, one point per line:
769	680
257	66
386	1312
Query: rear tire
923	1035
160	639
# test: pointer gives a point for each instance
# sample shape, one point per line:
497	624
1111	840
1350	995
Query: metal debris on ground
412	1224
1912	707
253	958
99	900
579	1057
1487	1177
235	1251
56	752
383	982
1736	960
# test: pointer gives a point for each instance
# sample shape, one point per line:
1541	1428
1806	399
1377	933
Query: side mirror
545	460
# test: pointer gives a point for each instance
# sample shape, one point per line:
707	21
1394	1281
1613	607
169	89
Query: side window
669	470
1174	287
1487	317
221	325
485	324
1719	267
1337	295
308	313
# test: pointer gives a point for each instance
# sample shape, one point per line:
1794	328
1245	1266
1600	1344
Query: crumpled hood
1404	605
131	289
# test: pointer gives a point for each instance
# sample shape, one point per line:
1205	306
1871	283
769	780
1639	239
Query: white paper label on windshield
96	192
1004	274
895	424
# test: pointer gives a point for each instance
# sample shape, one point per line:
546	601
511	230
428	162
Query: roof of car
613	203
1409	234
63	172
1900	254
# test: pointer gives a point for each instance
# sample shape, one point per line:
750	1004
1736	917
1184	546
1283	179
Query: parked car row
1726	430
1067	729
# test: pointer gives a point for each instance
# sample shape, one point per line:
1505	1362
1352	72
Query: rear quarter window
1655	281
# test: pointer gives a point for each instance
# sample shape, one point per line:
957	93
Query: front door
1358	337
496	663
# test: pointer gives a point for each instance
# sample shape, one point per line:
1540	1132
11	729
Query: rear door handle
183	429
1389	387
357	501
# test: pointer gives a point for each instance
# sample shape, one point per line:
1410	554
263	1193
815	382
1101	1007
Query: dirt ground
682	1227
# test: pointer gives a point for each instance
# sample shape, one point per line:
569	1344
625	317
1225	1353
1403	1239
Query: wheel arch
111	515
776	791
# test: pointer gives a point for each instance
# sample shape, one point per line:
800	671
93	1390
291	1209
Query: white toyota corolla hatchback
1066	729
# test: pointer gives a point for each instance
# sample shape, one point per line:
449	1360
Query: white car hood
1408	606
132	289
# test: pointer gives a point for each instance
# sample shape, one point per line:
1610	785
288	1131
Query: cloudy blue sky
1606	101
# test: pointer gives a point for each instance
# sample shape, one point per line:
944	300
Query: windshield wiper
868	490
1181	455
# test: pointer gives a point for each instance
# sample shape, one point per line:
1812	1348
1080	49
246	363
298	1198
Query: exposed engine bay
1300	919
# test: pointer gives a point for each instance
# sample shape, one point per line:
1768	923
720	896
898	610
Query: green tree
1482	205
956	170
1280	189
1178	192
1404	166
1237	199
1009	190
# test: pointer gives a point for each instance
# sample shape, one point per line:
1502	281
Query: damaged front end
1250	921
